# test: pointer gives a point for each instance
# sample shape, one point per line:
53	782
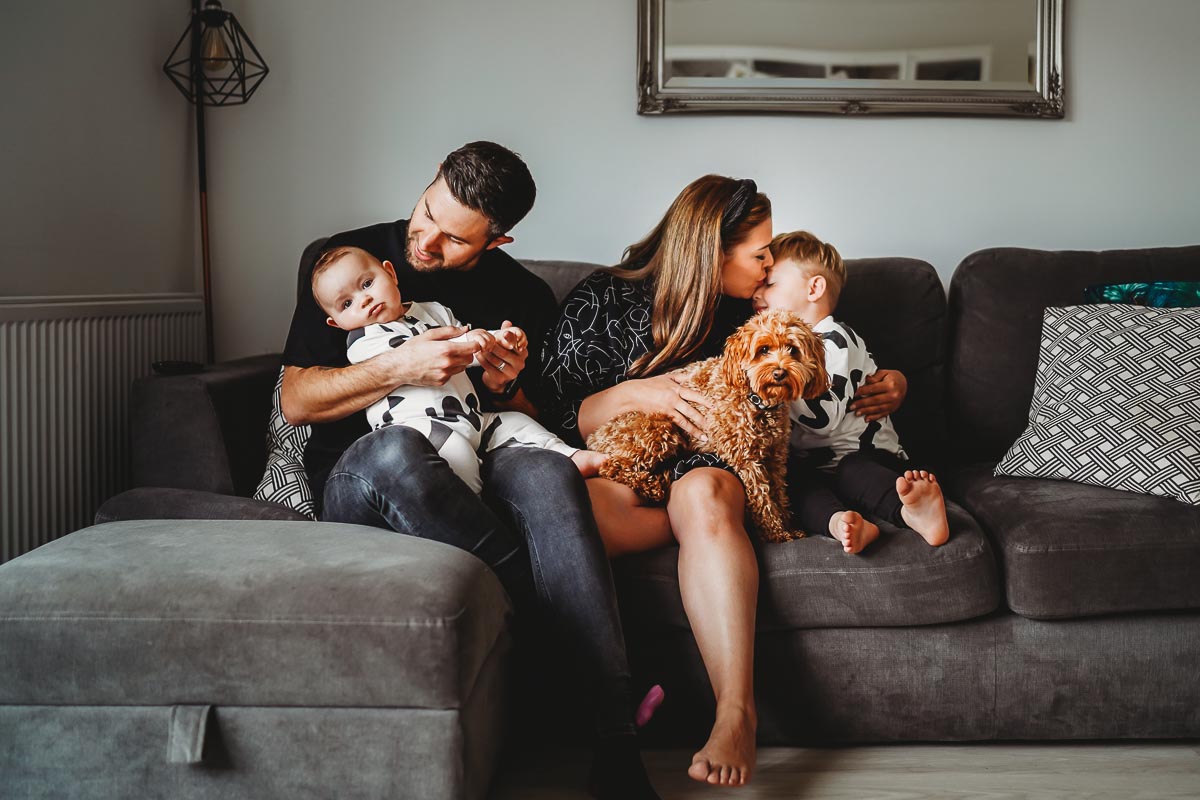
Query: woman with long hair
675	298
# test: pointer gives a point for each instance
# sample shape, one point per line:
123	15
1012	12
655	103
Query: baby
360	295
842	463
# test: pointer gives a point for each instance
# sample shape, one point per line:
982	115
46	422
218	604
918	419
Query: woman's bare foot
727	758
924	510
854	532
589	462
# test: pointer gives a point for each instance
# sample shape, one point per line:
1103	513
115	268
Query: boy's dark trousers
864	482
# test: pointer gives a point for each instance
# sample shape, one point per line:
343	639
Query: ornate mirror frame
1044	98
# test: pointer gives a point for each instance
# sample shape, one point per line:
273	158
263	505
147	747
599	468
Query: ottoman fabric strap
185	740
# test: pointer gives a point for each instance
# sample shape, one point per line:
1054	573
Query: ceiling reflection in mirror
882	42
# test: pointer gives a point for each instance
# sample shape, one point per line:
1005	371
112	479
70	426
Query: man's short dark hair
492	180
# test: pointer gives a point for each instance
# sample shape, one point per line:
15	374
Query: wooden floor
900	772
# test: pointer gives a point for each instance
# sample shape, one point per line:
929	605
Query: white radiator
66	366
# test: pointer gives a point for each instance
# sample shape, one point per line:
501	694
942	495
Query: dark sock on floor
618	772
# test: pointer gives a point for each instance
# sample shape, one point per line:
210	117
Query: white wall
365	96
97	159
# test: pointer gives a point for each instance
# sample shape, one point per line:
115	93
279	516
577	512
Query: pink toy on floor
649	705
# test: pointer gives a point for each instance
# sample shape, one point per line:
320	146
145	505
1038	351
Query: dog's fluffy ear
736	357
812	349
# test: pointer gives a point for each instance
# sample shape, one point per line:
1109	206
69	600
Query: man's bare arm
326	394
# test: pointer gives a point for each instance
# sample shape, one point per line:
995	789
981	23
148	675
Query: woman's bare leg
626	524
718	578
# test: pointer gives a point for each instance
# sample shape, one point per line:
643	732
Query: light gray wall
365	96
96	151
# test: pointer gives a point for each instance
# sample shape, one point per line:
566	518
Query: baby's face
786	288
358	290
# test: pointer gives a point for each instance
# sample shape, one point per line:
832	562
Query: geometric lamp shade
232	67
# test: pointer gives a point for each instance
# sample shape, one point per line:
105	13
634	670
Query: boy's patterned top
824	430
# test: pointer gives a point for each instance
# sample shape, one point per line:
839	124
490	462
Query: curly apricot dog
770	361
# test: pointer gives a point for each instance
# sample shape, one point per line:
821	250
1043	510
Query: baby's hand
513	338
485	340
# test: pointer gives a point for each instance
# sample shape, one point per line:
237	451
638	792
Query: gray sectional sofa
1055	611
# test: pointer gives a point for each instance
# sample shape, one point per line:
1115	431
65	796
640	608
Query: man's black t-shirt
495	289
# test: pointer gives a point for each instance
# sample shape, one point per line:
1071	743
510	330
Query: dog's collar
760	404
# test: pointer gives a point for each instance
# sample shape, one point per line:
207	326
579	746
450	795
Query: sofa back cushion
206	430
897	304
997	297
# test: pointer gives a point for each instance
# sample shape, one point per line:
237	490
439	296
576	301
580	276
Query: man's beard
438	262
416	263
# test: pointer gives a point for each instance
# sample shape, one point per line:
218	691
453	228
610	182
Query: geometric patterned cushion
1116	402
285	481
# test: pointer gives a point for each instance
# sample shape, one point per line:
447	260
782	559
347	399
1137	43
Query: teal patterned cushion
1160	294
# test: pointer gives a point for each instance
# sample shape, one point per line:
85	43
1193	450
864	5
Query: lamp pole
215	41
202	160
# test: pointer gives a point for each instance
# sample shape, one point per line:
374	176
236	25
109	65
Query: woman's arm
663	394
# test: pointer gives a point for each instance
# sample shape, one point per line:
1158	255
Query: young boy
360	295
842	463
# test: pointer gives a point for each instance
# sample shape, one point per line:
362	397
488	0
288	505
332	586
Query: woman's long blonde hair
682	258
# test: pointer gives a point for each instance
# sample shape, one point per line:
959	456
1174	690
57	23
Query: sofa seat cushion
247	613
811	583
156	502
1074	550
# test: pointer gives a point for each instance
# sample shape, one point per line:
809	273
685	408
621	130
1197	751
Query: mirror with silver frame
1001	57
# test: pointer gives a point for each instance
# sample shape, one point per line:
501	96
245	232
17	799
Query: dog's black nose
778	374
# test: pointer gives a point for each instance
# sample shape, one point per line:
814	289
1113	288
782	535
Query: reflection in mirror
873	40
851	56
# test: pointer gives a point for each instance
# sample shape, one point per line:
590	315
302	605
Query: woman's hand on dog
663	394
669	394
880	395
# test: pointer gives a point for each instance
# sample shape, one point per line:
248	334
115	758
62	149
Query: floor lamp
214	63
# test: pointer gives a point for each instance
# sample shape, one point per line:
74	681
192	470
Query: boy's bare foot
854	532
589	462
924	509
727	758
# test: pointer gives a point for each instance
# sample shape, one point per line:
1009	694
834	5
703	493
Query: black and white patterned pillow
1116	402
285	482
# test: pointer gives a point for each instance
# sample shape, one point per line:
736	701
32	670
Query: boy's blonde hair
814	257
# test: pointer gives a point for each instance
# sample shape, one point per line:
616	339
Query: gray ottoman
189	659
